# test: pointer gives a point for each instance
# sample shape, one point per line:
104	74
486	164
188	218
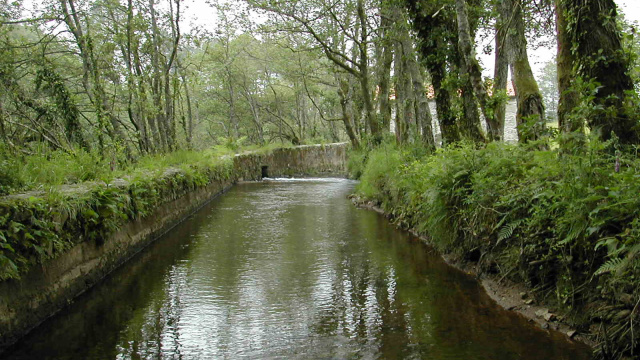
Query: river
289	269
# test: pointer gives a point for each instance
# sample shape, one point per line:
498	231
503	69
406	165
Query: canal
289	270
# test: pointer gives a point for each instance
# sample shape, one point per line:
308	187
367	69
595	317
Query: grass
45	168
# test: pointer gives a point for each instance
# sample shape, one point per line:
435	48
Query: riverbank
509	295
58	243
563	227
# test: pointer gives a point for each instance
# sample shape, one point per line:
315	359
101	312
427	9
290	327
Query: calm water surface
289	270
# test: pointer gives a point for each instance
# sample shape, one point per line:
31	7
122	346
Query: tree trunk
189	127
385	60
154	140
595	39
343	92
470	127
402	123
568	97
434	52
530	118
421	103
500	78
370	114
472	81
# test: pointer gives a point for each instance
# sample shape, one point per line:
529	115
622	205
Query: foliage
565	225
39	227
548	81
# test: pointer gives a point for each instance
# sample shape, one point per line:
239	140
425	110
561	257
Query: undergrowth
566	225
36	228
46	168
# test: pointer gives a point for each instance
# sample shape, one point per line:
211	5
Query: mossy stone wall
90	249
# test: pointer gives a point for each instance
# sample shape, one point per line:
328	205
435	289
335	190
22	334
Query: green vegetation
568	226
50	219
96	91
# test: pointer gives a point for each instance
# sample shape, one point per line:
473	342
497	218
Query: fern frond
507	230
612	266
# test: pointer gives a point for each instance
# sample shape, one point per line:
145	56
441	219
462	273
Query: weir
52	284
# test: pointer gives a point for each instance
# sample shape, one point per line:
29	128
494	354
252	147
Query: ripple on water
289	269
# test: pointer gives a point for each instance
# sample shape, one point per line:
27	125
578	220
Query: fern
618	265
611	266
507	230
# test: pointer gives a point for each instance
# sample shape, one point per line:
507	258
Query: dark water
289	270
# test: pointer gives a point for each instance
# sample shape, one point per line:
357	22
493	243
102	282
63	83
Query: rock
529	302
523	295
541	313
571	333
545	326
549	316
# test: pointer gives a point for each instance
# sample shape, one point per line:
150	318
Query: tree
342	31
530	114
472	81
590	48
437	34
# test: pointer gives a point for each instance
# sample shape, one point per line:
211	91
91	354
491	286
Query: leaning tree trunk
590	29
384	55
421	103
530	116
363	67
402	122
343	93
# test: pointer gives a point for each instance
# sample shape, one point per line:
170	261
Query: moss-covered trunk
384	56
421	103
530	115
590	30
568	99
436	35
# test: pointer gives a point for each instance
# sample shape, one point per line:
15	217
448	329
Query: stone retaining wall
47	288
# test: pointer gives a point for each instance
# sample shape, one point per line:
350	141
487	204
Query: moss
34	229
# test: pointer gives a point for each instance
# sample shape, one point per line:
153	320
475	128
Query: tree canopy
125	78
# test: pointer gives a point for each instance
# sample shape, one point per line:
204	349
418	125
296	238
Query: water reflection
289	270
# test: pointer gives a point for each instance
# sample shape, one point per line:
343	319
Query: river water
289	270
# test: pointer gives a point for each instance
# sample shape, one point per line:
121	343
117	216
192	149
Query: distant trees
549	90
126	80
122	77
